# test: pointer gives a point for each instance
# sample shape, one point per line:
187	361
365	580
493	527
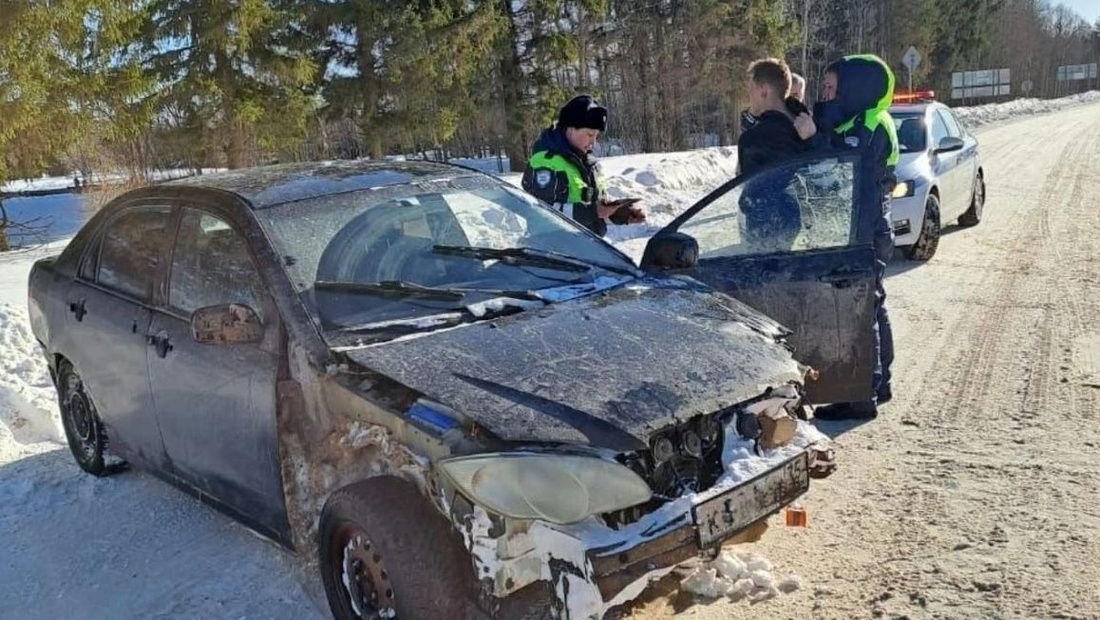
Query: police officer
564	173
857	91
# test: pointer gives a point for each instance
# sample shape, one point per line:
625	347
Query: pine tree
402	69
51	74
236	67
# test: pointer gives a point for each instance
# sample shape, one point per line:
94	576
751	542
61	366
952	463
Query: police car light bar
914	96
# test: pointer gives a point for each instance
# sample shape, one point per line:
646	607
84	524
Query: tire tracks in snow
973	494
983	481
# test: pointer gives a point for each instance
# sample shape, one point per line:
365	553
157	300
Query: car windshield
408	255
912	137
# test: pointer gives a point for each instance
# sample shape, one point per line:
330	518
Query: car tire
83	427
403	555
973	215
925	247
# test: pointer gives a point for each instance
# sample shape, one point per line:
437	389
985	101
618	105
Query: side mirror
226	324
670	251
949	144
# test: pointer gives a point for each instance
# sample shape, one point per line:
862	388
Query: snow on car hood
605	370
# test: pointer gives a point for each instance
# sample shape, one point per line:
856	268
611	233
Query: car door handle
78	309
161	342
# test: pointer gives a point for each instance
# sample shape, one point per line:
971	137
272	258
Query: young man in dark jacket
857	91
563	172
772	215
794	101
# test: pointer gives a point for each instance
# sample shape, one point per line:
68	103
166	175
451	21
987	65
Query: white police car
940	177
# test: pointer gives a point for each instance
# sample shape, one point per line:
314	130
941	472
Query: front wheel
929	240
385	552
974	214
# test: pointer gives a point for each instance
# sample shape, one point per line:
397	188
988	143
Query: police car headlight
904	189
558	488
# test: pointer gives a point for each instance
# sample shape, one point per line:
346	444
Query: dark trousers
884	336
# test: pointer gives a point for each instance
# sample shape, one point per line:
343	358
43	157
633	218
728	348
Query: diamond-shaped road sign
911	58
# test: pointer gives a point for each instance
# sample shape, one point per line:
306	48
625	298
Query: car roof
266	186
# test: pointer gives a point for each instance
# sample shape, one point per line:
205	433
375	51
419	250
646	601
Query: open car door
794	243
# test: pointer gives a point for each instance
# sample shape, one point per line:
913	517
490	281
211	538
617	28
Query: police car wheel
974	215
925	247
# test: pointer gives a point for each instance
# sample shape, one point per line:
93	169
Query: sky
1089	9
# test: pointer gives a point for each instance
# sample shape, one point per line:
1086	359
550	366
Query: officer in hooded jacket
564	173
853	115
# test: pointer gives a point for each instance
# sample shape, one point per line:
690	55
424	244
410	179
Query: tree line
97	85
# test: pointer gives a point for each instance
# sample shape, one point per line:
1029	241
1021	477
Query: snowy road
973	495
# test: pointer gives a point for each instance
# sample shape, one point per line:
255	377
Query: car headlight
904	189
558	488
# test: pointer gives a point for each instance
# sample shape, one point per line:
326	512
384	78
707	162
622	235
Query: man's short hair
772	72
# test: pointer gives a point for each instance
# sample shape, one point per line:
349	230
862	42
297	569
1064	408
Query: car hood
913	166
605	370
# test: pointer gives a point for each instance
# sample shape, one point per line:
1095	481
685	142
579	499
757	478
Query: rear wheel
83	429
385	552
974	215
925	247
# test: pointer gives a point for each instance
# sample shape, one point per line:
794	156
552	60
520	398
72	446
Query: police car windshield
469	234
912	135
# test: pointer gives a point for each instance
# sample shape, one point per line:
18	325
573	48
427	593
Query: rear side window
131	250
211	265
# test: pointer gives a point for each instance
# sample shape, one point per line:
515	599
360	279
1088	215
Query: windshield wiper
389	288
400	288
529	256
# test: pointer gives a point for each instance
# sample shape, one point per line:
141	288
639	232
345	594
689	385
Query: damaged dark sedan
453	400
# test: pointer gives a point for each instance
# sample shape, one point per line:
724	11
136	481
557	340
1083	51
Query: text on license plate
723	516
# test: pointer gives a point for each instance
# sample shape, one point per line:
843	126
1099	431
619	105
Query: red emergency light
906	96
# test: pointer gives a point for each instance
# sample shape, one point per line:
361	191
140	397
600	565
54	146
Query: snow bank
977	116
48	183
668	184
28	404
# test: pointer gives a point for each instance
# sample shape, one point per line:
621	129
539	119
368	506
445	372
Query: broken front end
585	530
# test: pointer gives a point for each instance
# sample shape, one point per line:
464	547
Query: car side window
131	249
211	265
953	128
939	129
806	205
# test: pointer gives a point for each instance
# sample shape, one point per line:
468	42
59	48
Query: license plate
723	516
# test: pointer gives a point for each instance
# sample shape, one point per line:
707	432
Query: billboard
1069	73
984	83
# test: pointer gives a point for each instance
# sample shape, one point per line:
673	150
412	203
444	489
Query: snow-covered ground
131	547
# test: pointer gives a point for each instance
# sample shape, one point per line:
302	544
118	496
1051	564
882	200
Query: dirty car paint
606	370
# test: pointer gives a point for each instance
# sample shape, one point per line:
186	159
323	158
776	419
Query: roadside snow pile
668	182
739	576
28	405
36	185
977	116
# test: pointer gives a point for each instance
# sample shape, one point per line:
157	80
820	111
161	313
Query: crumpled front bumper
592	568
